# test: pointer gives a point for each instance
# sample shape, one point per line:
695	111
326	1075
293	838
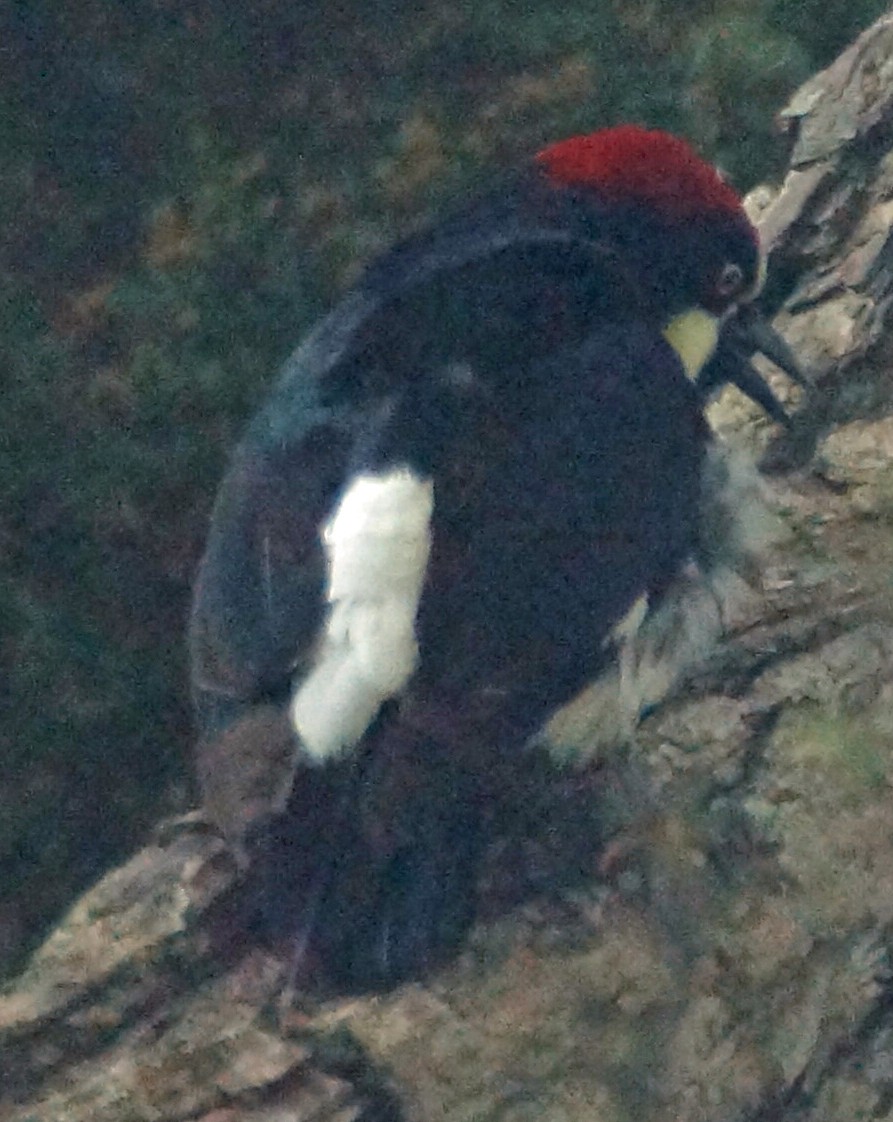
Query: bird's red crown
631	162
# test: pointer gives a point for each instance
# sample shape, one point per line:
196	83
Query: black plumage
515	355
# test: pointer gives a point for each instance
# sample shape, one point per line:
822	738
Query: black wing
564	443
436	331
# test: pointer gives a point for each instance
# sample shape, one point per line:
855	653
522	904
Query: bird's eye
730	280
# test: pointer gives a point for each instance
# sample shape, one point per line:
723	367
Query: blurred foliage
186	185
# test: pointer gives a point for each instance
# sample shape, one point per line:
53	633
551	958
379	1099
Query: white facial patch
377	542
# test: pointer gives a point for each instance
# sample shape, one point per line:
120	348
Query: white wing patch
377	542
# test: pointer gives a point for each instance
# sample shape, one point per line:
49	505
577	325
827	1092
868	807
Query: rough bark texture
723	953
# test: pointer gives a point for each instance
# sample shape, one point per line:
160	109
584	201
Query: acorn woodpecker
468	479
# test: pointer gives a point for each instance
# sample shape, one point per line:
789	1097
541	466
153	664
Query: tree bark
720	950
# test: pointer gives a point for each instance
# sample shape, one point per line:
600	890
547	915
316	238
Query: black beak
742	335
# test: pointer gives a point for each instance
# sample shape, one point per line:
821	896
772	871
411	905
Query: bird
474	476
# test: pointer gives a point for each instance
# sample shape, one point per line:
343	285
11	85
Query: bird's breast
556	509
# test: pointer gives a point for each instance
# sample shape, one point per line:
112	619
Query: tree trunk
723	951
